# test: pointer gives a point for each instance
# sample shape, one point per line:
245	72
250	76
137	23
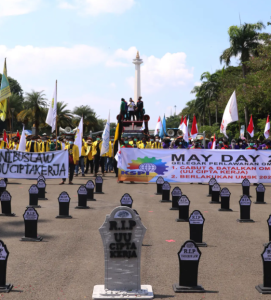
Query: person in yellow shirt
15	144
73	158
145	144
156	144
110	156
81	160
96	153
33	145
44	145
89	162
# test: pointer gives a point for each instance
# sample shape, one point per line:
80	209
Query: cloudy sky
89	45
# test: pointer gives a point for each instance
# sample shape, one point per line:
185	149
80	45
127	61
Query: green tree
90	120
64	115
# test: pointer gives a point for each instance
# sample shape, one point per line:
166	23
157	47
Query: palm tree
34	109
64	116
89	116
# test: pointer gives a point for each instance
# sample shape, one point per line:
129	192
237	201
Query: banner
195	165
28	165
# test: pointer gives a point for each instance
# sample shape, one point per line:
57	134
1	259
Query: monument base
201	244
99	292
214	202
263	290
259	202
224	209
6	288
82	207
28	239
245	221
188	289
7	215
174	208
63	217
182	220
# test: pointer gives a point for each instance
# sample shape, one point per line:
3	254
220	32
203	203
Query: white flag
22	144
184	129
106	136
78	136
143	125
267	128
230	114
52	112
158	127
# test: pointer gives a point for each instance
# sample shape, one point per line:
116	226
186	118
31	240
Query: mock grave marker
31	225
189	256
212	181
6	204
245	204
64	206
260	190
3	186
82	197
41	186
33	196
166	192
122	235
216	189
176	194
183	206
246	187
99	185
41	177
4	253
90	190
159	182
196	222
269	229
225	200
126	200
265	288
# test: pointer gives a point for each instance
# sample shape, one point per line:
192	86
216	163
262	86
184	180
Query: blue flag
164	126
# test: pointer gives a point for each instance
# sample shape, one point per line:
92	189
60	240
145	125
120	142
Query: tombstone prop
183	205
265	288
196	222
41	177
64	206
215	194
90	190
159	182
189	257
260	190
82	197
246	187
126	200
122	235
269	229
31	225
245	204
6	204
4	287
99	185
41	186
212	181
166	192
33	196
3	186
225	200
176	194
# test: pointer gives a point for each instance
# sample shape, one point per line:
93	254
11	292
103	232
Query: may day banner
195	165
16	164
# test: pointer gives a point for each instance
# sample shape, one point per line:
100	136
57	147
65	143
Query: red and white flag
184	129
214	143
158	126
194	128
181	123
267	128
250	128
5	139
18	134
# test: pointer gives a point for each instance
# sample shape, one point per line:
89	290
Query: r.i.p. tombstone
4	287
269	229
99	185
90	190
245	204
6	204
159	182
41	186
260	190
225	200
212	181
64	206
3	186
41	177
196	222
215	193
82	197
122	235
31	225
166	192
126	200
183	206
246	187
176	194
265	288
33	196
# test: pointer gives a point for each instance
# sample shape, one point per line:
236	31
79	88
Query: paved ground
69	261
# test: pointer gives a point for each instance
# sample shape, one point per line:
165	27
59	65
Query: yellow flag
4	93
3	109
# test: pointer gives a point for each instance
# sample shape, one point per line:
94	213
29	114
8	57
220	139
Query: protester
126	144
210	144
109	165
250	146
89	162
122	108
145	144
166	143
157	144
225	145
131	109
15	144
33	146
81	163
55	145
139	109
96	153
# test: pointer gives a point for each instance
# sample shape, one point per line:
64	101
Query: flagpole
56	114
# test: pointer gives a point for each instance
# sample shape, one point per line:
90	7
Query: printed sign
245	201
3	251
216	188
260	188
196	217
3	183
166	186
126	200
160	180
267	253
123	214
82	190
41	184
5	196
33	189
30	214
99	179
189	251
245	182
225	192
212	181
183	201
64	197
176	192
90	185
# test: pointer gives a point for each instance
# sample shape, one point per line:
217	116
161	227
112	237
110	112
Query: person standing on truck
122	108
139	109
131	109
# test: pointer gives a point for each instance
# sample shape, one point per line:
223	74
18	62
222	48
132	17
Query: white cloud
112	85
198	83
17	7
95	7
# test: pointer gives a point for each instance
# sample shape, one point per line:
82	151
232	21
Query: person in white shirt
131	109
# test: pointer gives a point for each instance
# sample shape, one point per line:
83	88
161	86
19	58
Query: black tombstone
90	190
183	206
176	194
126	200
212	181
225	200
265	288
6	204
260	190
166	192
64	206
4	287
159	182
33	196
196	222
3	186
246	187
31	225
41	177
189	257
82	197
245	204
41	186
99	185
215	194
269	229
